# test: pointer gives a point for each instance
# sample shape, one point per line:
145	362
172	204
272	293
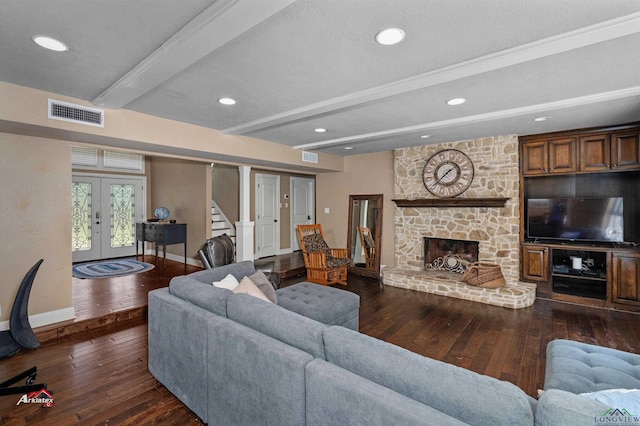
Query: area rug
110	268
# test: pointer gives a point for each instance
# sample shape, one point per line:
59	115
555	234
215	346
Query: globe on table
161	213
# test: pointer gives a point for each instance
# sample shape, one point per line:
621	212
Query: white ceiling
294	65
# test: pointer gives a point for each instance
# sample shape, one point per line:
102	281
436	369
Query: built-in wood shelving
451	202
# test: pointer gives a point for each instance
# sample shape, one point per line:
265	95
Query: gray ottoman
580	368
325	304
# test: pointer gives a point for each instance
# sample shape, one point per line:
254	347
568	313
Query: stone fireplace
495	229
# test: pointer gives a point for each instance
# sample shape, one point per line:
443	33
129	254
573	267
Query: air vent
309	157
65	111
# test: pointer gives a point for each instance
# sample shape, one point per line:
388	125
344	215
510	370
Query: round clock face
448	173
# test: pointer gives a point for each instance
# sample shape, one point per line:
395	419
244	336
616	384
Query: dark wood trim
579	132
379	198
452	202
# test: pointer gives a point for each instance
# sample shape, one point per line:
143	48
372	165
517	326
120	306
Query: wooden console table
162	234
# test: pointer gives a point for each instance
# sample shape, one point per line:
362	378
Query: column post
244	227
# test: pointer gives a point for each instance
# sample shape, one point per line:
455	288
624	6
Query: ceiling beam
587	36
216	26
479	118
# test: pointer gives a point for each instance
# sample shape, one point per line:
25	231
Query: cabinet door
626	278
562	155
535	159
625	150
595	153
535	263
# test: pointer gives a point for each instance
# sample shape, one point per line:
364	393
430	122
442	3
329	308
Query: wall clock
448	173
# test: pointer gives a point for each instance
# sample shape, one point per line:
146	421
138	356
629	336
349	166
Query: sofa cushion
338	397
263	283
253	379
557	407
238	270
328	305
278	323
470	397
204	295
628	399
247	286
579	367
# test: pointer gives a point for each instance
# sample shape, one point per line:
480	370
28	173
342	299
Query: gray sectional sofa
234	359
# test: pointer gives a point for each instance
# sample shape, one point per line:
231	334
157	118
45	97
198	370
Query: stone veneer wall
495	161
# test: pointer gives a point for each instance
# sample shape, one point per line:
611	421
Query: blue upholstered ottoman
325	304
579	368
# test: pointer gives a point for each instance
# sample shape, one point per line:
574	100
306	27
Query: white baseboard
175	258
46	318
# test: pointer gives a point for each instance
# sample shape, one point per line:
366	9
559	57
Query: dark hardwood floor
100	377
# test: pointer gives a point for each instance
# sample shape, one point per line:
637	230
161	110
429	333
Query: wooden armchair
324	265
369	246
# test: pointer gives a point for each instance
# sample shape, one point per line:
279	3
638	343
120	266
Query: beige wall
184	187
35	223
225	190
24	111
364	174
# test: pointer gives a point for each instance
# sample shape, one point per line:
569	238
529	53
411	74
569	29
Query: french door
104	214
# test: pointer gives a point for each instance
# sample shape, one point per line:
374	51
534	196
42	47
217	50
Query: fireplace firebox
444	254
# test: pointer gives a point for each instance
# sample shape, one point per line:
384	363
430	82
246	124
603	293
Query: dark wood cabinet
595	162
626	278
549	156
535	263
610	152
535	157
535	268
625	150
595	153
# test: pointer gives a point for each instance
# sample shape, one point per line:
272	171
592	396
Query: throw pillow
629	399
229	282
262	282
247	286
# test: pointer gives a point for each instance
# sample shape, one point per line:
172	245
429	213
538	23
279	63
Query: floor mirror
364	234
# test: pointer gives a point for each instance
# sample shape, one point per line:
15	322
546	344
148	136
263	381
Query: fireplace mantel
451	202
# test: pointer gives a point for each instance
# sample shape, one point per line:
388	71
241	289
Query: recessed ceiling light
456	101
227	101
541	118
50	43
348	147
390	36
320	130
425	136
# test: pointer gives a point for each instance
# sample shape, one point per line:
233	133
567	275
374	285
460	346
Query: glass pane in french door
123	215
81	216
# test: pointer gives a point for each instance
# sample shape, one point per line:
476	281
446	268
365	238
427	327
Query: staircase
220	224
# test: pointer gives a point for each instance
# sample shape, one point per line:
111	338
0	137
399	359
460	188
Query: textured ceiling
294	65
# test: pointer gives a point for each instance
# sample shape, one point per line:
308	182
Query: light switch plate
326	210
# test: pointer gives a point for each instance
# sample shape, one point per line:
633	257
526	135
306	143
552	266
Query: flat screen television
576	219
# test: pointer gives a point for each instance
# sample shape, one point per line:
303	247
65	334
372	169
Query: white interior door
104	213
267	215
302	206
